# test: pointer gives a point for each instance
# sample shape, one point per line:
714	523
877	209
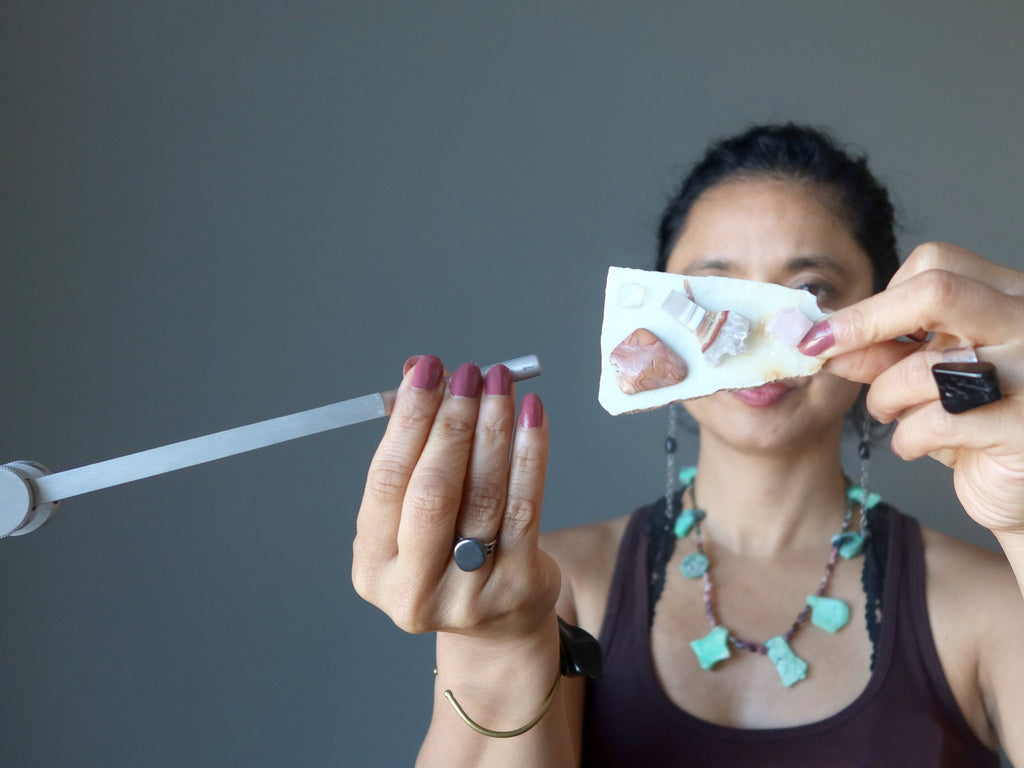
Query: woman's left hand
962	301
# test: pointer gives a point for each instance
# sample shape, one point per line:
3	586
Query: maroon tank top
905	716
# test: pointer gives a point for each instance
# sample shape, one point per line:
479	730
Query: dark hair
803	154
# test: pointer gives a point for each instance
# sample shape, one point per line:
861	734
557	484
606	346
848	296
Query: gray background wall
218	212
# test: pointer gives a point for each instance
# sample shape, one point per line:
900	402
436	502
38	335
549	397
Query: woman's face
775	231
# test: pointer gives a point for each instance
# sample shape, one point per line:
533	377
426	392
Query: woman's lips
763	396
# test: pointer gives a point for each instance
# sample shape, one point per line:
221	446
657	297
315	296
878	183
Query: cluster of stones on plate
642	361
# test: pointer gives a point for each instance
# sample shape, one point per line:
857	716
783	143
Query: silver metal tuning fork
30	494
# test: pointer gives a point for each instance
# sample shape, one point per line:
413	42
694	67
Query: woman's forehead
765	220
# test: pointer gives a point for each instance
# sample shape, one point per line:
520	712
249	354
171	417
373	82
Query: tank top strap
627	597
919	641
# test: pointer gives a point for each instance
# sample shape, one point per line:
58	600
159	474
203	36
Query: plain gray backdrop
218	212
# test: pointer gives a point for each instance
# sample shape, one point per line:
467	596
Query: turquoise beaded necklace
827	613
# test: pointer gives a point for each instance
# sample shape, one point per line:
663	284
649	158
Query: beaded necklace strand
827	613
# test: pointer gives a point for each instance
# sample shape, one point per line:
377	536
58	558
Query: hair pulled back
798	153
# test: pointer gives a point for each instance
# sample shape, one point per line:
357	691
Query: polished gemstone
963	386
857	495
686	520
849	543
694	565
687	474
828	613
791	668
712	648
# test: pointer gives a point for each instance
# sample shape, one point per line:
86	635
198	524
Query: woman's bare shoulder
965	580
953	564
586	555
977	617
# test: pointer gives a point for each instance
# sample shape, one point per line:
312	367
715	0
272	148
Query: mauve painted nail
532	413
498	381
817	340
428	372
408	364
466	381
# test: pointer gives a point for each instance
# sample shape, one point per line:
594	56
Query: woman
927	667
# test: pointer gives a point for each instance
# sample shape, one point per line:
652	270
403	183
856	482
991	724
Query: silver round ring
470	554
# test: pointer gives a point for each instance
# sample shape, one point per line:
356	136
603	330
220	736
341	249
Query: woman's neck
763	504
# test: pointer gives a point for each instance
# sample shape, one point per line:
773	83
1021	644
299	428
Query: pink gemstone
789	326
642	362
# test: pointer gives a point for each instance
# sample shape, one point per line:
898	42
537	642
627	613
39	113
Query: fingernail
466	381
407	366
532	412
817	340
959	355
427	373
498	381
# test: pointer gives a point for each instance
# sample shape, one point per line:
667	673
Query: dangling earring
861	493
671	476
864	452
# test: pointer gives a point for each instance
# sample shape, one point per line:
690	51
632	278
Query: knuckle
498	427
410	418
928	256
387	481
456	428
522	511
482	505
529	459
939	288
858	325
409	613
431	500
363	582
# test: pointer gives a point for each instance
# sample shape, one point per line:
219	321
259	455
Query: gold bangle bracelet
545	705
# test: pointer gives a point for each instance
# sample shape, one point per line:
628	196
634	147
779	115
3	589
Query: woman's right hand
452	463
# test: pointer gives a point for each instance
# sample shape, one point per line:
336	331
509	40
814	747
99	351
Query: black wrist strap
580	652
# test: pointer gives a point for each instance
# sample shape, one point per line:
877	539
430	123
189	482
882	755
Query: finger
387	480
930	431
910	382
486	487
936	301
520	526
408	366
427	526
952	258
865	364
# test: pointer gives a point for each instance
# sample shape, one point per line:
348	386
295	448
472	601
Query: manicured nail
428	372
532	412
466	381
817	340
498	381
959	355
407	366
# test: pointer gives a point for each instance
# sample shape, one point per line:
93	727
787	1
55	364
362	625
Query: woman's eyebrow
827	263
710	265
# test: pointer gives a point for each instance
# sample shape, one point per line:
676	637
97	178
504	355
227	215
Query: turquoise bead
686	475
712	648
850	544
791	668
867	499
686	520
694	565
828	613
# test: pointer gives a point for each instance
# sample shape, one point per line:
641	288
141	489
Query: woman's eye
819	290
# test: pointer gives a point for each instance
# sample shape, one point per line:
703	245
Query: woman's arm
960	301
